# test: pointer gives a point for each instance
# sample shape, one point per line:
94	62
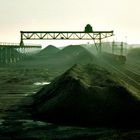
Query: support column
21	40
121	48
113	47
100	44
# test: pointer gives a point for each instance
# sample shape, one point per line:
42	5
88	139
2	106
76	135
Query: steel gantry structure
88	34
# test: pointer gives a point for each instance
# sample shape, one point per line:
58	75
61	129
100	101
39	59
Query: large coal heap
56	59
87	95
49	50
66	58
73	54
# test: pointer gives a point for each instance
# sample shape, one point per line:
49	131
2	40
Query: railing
8	44
18	44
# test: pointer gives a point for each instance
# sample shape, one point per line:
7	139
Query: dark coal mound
66	58
70	55
56	60
49	50
87	95
40	59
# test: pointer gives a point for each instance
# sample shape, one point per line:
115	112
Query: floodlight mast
87	34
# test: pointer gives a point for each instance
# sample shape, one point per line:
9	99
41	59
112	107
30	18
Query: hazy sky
122	16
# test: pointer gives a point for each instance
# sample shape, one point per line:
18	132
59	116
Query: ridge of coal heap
87	95
49	50
73	50
74	54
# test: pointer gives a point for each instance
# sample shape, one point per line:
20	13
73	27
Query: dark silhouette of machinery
88	28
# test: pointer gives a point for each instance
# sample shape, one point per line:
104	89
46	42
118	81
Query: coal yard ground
71	94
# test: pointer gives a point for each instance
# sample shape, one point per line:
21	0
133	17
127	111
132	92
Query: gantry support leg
113	47
100	44
121	48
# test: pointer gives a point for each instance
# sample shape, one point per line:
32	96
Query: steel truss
97	36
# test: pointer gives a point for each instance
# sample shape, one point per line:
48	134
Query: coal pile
59	61
87	95
48	51
70	55
55	59
40	59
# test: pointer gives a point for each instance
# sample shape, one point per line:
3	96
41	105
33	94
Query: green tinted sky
122	16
